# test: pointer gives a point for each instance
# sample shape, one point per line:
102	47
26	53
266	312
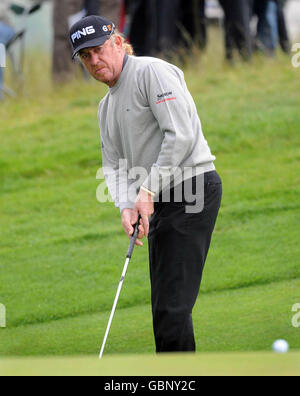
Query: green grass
212	364
62	252
247	319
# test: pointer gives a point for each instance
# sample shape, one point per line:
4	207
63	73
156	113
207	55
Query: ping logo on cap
84	32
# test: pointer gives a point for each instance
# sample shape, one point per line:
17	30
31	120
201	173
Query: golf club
128	257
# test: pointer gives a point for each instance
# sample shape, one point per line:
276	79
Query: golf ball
281	346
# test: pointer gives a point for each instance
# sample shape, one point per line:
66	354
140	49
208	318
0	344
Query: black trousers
154	26
238	15
284	39
193	20
178	248
161	26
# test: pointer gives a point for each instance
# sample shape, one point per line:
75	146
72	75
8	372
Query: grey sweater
150	120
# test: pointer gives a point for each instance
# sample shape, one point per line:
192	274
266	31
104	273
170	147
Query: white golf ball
281	346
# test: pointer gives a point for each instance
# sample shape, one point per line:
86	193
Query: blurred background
40	28
171	29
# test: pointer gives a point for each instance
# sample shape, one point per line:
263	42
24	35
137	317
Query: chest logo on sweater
165	97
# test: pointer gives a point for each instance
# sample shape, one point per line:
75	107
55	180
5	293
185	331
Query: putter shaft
129	254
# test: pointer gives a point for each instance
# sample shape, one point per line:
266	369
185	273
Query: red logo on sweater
165	97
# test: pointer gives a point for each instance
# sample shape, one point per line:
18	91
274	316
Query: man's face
104	63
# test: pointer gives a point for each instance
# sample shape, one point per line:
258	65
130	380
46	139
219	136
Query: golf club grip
134	238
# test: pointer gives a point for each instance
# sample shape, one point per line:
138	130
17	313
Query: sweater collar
122	75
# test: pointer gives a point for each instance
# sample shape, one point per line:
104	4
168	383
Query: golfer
149	124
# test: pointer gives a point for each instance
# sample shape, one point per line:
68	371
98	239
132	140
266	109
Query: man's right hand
129	219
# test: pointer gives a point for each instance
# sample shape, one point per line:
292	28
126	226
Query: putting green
212	364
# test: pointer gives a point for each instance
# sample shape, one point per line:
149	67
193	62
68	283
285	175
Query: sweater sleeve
116	175
168	98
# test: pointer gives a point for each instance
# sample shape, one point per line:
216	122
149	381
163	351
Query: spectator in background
193	20
111	9
6	32
284	39
238	14
151	25
267	28
92	7
161	26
